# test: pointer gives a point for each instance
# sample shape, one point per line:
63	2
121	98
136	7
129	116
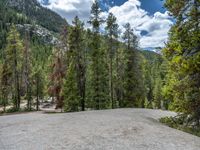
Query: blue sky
149	19
151	6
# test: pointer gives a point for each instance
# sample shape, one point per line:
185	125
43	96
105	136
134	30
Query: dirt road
120	129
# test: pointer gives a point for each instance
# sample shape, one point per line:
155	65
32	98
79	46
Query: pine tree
133	84
183	55
119	74
140	85
13	59
98	69
77	67
70	91
76	43
149	84
38	78
5	78
112	33
130	78
56	77
157	93
27	71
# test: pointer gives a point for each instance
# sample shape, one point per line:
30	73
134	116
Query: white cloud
159	15
130	12
155	27
71	8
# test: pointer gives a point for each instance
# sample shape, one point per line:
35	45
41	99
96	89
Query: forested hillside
81	69
44	58
29	15
35	38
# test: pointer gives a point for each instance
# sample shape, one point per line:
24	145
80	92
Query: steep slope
151	56
42	23
40	15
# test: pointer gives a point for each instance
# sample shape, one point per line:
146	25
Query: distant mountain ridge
38	14
30	14
44	2
42	23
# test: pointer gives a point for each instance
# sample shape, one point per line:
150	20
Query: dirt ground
119	129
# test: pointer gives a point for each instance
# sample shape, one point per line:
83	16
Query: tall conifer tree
183	55
133	83
27	71
98	81
74	91
13	57
112	33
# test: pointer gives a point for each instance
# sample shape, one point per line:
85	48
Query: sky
149	19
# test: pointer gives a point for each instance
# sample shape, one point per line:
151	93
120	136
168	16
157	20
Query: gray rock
119	129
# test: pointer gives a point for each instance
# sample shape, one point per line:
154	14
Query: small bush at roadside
178	123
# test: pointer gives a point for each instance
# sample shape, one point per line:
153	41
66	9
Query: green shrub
178	123
12	110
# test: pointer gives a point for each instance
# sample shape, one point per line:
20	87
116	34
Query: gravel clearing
119	129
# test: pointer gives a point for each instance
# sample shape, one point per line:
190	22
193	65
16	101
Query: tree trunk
111	82
16	79
4	104
18	92
37	93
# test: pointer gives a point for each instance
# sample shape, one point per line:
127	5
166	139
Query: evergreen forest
42	58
